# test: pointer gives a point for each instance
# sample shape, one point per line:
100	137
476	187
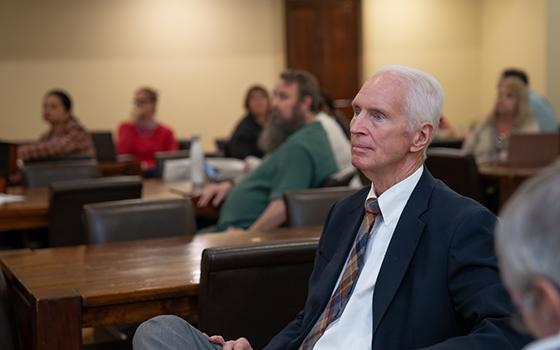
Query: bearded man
299	157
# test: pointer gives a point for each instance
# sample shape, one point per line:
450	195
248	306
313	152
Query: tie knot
372	206
372	210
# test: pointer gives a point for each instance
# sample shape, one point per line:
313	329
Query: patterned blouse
68	139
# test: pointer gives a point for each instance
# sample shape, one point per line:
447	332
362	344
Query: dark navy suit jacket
438	287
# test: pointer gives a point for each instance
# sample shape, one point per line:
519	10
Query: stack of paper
10	198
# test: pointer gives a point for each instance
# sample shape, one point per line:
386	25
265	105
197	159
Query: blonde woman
489	140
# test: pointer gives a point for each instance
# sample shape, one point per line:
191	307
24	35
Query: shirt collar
392	201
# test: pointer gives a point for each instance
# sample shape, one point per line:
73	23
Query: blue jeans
170	332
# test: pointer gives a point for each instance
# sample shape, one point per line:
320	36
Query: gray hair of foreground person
424	97
528	235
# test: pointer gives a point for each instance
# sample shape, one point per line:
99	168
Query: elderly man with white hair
528	246
404	263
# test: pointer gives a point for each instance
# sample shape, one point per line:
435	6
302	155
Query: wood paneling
323	37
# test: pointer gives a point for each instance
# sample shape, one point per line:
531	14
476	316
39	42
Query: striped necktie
350	275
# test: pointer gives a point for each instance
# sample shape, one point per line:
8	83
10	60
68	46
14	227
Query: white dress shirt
549	343
353	329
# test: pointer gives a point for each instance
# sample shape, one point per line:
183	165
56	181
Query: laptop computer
104	146
533	149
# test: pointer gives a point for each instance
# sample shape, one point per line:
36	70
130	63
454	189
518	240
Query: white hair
424	98
528	235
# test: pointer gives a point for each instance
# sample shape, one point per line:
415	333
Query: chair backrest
162	157
44	173
8	158
67	198
447	143
457	169
222	145
340	178
6	319
184	144
104	146
311	207
254	291
136	219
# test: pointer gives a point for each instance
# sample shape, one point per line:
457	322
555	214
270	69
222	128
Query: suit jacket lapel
402	247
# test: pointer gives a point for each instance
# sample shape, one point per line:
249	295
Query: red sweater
144	143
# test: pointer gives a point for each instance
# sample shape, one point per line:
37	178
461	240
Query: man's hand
215	192
239	344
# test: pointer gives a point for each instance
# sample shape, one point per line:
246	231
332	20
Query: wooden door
323	37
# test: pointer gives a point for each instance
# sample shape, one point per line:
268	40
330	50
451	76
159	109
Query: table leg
46	324
59	323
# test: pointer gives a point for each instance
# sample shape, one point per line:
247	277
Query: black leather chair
340	178
39	174
222	145
6	334
136	219
184	144
311	207
254	291
447	143
457	169
67	199
105	150
162	157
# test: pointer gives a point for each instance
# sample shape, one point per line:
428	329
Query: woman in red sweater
143	137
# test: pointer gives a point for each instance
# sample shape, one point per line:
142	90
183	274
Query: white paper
10	198
225	168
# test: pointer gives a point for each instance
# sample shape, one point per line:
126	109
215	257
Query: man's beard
277	129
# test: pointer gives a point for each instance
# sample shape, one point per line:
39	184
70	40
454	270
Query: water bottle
197	164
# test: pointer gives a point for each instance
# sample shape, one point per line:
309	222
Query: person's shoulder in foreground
527	243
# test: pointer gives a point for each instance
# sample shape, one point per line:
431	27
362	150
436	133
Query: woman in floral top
66	136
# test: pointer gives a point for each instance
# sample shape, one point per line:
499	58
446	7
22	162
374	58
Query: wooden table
57	291
32	213
117	168
508	178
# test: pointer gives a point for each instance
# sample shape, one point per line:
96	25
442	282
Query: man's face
286	116
379	135
285	99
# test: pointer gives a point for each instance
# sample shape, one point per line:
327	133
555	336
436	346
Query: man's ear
306	103
546	305
422	137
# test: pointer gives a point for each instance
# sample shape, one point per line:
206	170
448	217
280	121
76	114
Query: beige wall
439	36
553	55
200	55
464	43
513	35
